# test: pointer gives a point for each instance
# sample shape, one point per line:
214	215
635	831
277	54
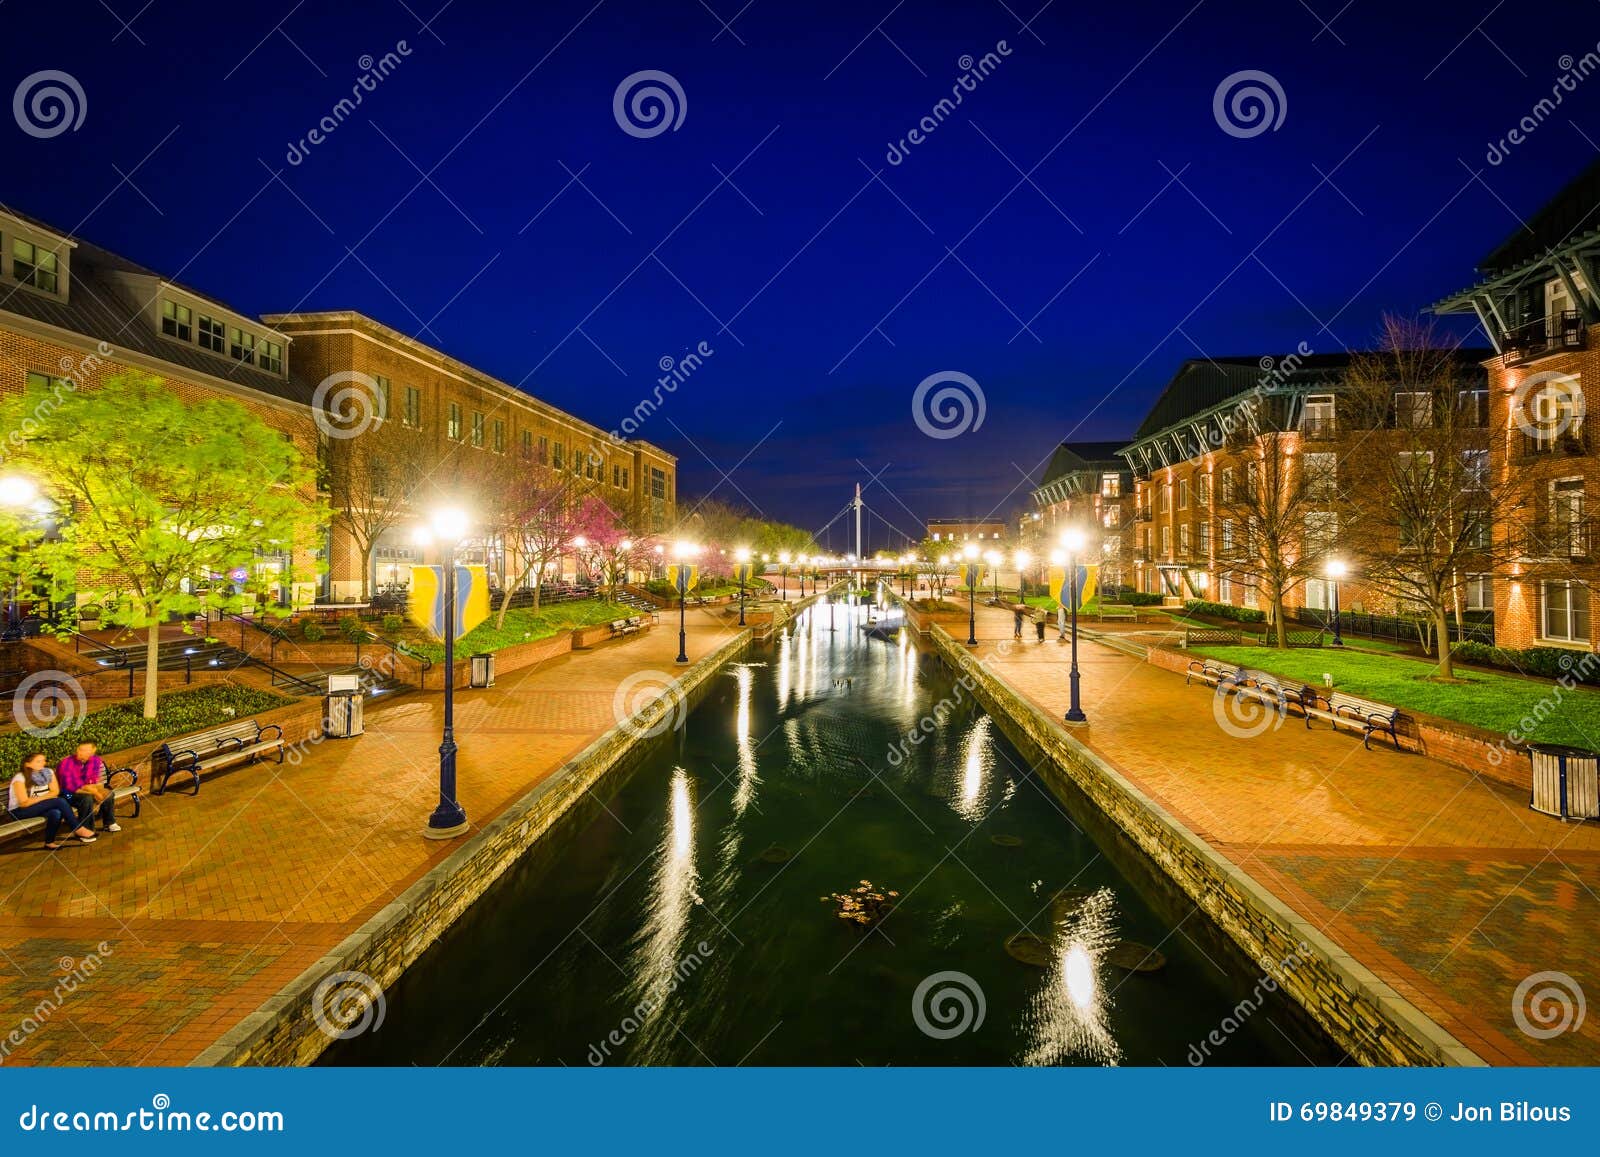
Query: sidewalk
208	905
1446	886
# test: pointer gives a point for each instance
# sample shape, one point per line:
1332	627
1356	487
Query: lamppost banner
743	572
426	606
683	576
971	575
1088	582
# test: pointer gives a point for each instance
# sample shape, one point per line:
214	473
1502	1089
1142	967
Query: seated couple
70	795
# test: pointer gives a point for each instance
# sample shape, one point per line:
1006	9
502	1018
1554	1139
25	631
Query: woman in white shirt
35	793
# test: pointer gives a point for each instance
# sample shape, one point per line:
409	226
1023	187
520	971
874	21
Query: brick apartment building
985	533
1088	484
71	311
1537	299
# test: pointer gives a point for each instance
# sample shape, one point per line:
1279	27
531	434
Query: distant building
1087	485
989	533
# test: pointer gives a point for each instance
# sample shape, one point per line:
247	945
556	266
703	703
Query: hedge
1225	611
1547	662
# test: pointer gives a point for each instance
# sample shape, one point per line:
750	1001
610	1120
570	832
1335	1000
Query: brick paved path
1445	885
208	905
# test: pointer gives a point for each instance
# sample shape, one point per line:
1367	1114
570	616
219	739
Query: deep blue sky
1245	253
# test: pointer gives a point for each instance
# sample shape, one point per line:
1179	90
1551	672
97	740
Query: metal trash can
483	670
342	719
1566	781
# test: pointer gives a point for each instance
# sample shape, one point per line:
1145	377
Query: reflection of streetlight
743	556
1336	571
446	527
1073	540
970	552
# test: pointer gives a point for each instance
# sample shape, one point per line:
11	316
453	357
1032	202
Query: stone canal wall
283	1031
1362	1014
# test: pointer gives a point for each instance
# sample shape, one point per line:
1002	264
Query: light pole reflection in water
1068	1020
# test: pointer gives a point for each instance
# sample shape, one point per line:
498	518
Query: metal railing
1477	628
1572	441
1542	336
1558	539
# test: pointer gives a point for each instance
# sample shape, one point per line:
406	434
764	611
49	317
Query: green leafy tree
158	497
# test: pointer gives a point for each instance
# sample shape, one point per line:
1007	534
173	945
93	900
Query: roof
1076	457
1203	383
1572	212
102	308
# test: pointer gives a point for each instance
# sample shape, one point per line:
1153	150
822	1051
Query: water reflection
1068	1019
977	763
673	896
745	786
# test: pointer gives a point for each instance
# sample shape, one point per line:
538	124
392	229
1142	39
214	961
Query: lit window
453	429
1566	611
213	335
477	427
271	360
34	266
241	346
1479	592
177	321
413	413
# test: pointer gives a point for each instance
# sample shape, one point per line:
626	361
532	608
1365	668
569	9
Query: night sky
1073	230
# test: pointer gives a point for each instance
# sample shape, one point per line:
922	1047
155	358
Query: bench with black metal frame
243	741
620	627
1352	711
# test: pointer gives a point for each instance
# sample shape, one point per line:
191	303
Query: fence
1395	628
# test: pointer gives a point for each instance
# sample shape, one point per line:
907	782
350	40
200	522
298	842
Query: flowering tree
536	513
609	550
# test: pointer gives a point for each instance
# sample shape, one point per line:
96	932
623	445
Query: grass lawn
524	625
118	726
1496	702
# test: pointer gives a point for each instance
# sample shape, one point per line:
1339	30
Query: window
558	460
1557	412
212	334
1204	543
577	460
499	442
413	412
1566	611
271	360
477	428
1183	540
1472	408
34	266
1317	421
241	346
1183	494
453	427
1414	468
384	395
527	445
1322	531
626	479
1413	410
177	321
47	382
1202	490
1477	529
1229	485
1321	474
1166	540
1163	499
1225	588
544	451
658	483
1479	592
1111	485
1227	536
1474	469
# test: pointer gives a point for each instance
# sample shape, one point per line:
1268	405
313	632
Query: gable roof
1076	457
1203	383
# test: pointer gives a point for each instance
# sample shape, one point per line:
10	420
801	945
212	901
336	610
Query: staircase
189	655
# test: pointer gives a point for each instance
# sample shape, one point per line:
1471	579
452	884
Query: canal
684	915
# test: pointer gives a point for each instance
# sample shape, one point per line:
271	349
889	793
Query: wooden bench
128	789
620	627
1119	615
242	741
1257	685
1354	712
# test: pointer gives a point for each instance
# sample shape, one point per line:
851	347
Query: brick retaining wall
283	1032
1366	1017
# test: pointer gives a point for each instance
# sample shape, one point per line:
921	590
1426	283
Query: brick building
985	533
1088	484
73	312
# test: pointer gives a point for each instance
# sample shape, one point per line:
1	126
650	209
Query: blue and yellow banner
743	572
426	605
682	577
1088	583
971	575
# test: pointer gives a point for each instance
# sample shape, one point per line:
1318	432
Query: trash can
1565	781
342	719
483	670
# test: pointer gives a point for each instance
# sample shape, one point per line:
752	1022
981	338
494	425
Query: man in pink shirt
80	774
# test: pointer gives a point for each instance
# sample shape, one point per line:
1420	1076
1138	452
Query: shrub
1546	662
312	632
1225	611
1142	599
392	624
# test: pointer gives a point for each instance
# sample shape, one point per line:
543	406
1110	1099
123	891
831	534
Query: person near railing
36	794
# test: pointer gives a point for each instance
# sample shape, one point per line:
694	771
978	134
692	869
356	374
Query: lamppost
971	555
446	527
1336	571
681	553
744	559
993	559
1023	559
1073	541
783	568
17	494
655	569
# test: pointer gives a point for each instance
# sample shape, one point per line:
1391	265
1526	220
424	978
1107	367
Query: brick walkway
1446	886
208	905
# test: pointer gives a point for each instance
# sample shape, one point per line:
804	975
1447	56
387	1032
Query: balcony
1570	443
1318	429
1143	514
1544	336
1574	540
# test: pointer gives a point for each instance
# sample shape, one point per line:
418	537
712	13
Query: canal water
684	916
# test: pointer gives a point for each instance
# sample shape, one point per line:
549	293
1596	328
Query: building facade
1088	485
986	533
74	315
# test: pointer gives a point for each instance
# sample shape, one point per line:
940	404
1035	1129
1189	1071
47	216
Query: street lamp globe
1337	568
742	554
1073	539
17	491
970	551
449	524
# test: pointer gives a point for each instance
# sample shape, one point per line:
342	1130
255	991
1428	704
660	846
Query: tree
371	480
1425	475
1274	524
160	498
608	549
535	512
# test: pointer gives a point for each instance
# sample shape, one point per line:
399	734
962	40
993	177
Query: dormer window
242	346
212	334
34	266
177	321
